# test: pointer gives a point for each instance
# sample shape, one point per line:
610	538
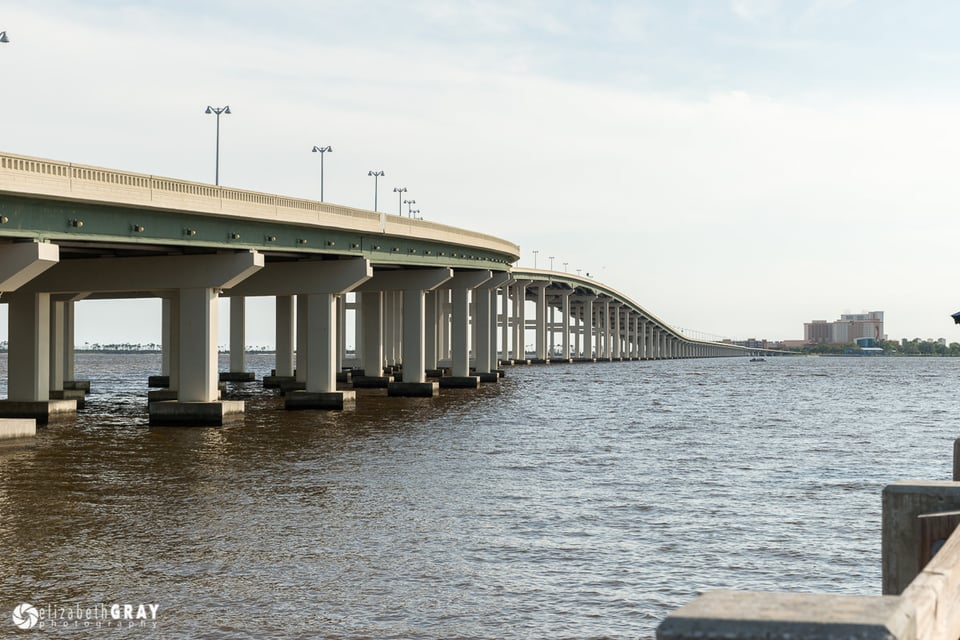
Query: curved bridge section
434	306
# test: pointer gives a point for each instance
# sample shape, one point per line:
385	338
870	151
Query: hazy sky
738	167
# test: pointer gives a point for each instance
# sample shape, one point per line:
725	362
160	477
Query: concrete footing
460	382
12	428
584	359
331	400
237	376
490	376
289	386
743	615
538	361
413	389
345	377
195	414
73	385
70	394
437	373
43	411
161	394
275	382
371	382
158	381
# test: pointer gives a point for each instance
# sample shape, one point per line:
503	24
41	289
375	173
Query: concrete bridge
429	300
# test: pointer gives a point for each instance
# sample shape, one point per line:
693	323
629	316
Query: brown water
566	501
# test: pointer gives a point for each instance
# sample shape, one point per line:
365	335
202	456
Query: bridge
434	306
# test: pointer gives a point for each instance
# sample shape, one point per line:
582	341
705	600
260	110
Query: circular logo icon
25	616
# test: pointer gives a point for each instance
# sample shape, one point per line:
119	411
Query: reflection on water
569	500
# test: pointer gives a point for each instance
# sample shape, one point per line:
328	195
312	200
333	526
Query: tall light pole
400	191
551	263
565	266
415	214
322	151
375	174
535	252
218	111
409	204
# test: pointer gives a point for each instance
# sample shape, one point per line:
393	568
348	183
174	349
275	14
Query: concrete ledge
900	537
11	428
413	389
194	414
745	615
73	385
490	376
162	394
237	376
275	382
460	382
334	400
584	359
43	411
158	381
371	382
438	373
70	394
288	386
538	361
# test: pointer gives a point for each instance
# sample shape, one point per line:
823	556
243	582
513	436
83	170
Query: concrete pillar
461	286
617	342
69	339
28	369
56	346
414	358
565	314
505	323
198	345
340	330
520	322
238	343
577	330
322	344
302	364
432	329
588	328
284	335
540	348
371	310
482	318
165	337
551	331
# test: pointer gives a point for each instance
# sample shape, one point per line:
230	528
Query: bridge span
435	306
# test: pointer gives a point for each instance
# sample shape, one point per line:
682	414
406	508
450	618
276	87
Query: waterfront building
848	328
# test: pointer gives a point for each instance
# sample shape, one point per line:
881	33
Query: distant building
849	328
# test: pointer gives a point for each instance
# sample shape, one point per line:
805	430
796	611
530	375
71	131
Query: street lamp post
415	214
535	252
400	191
409	204
322	151
551	263
218	111
375	174
565	266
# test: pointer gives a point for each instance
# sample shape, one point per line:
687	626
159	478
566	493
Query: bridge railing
42	177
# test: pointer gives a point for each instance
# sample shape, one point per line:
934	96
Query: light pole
3	37
551	263
400	191
375	174
565	266
322	151
218	111
578	272
535	252
414	213
409	204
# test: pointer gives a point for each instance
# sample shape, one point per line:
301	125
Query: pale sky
738	167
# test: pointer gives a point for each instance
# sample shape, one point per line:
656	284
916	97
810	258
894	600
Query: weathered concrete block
332	400
345	377
195	414
275	381
900	544
288	386
162	394
82	385
158	381
489	376
43	411
237	376
70	394
754	615
371	382
460	382
12	428
413	389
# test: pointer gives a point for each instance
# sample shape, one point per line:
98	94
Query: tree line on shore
915	347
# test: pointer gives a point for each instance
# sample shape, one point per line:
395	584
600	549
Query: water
568	501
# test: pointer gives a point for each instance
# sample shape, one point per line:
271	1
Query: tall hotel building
847	329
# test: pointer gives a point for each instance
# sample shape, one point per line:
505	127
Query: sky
738	167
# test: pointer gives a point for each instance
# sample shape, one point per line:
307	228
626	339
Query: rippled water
567	501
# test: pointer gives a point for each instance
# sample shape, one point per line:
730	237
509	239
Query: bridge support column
565	314
485	320
505	324
283	371
520	322
433	332
461	286
616	344
371	312
238	343
577	330
70	383
58	357
587	319
540	323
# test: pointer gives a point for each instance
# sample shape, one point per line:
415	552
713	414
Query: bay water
567	501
